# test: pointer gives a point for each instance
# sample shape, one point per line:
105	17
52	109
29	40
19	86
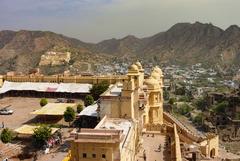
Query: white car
6	111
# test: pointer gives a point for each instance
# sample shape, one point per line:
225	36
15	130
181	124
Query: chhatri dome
155	75
158	70
133	69
139	65
152	83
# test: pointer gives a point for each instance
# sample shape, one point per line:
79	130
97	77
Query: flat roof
89	111
117	124
29	129
46	87
57	109
114	90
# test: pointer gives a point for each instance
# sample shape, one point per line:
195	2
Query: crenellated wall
175	147
64	79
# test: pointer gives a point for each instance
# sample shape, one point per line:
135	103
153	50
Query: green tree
98	89
69	115
41	135
184	99
198	119
201	103
88	100
184	109
221	107
172	100
6	135
43	102
79	108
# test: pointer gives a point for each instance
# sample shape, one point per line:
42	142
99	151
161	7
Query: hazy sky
96	20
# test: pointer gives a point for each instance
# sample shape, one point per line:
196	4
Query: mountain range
183	43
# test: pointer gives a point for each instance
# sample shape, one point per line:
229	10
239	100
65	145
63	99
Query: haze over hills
183	43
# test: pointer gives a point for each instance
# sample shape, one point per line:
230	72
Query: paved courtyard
150	145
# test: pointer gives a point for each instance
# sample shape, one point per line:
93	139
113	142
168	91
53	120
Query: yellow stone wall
210	146
175	146
112	151
65	79
77	150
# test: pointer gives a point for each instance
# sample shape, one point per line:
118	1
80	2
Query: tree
69	115
220	107
88	100
41	135
172	100
201	103
184	99
43	102
6	135
198	119
184	109
98	89
79	108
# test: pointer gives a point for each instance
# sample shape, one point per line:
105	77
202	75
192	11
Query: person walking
160	147
144	155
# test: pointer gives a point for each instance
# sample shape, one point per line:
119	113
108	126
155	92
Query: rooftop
45	87
29	129
114	90
53	109
109	130
123	125
89	111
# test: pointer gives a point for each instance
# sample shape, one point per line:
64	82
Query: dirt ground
22	107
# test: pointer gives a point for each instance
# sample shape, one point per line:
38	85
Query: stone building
127	110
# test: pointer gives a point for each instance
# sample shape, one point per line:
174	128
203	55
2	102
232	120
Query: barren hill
183	43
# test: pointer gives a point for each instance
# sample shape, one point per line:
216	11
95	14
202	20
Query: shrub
88	100
172	100
201	103
43	102
69	115
220	107
79	108
6	135
184	109
184	99
41	135
198	119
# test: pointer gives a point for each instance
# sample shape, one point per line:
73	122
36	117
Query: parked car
6	111
60	100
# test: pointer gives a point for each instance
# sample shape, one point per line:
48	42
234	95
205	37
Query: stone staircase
185	131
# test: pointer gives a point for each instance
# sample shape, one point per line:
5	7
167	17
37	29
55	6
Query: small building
112	139
52	112
28	130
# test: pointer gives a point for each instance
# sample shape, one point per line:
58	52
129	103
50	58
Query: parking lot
22	107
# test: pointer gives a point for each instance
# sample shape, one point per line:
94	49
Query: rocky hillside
21	51
183	43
